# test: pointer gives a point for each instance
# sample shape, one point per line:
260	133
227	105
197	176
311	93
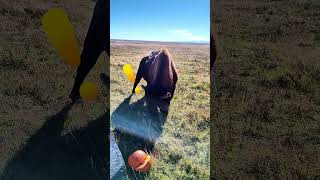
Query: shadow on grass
137	126
49	155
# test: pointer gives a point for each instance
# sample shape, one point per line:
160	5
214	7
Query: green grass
182	151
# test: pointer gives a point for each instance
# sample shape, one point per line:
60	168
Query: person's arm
139	74
96	40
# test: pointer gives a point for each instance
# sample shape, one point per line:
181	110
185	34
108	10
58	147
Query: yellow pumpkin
89	91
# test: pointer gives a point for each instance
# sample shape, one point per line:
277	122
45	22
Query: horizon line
191	42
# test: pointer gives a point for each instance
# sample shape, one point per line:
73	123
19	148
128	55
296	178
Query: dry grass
34	88
35	84
265	90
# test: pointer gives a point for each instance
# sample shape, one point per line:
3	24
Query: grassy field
38	128
43	136
265	96
266	90
182	151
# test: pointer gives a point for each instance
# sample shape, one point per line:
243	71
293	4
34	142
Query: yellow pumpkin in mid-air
127	69
89	91
61	35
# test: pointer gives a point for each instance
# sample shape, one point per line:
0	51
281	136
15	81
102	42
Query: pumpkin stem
144	163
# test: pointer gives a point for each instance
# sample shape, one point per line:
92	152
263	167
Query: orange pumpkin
140	161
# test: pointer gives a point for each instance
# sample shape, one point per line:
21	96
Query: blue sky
162	20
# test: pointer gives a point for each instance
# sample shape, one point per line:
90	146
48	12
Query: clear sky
161	20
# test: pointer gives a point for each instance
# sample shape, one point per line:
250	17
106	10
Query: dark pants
96	41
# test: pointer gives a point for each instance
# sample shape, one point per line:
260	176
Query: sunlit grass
182	152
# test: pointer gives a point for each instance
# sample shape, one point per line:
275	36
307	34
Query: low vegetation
265	90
